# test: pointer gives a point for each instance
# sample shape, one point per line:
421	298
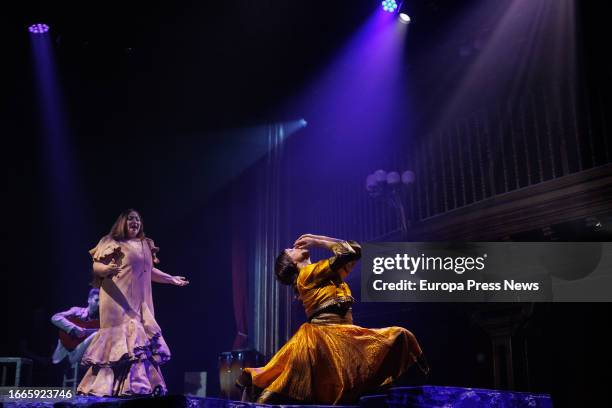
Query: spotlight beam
67	210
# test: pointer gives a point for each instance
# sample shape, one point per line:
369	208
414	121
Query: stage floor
399	397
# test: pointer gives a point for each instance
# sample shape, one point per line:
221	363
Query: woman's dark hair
285	269
119	230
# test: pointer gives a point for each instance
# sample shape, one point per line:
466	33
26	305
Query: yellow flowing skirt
328	363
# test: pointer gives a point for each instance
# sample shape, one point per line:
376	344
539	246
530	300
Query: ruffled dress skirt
332	361
124	360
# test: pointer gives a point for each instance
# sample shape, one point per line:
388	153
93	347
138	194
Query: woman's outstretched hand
179	281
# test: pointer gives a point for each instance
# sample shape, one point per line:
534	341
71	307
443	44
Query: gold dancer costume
330	360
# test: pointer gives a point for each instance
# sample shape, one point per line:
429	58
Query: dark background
149	91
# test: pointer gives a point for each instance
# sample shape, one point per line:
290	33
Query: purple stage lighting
38	28
389	5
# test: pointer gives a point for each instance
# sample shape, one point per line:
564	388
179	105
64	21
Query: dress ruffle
126	379
106	250
154	250
126	342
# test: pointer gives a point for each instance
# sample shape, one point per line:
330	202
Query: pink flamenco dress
125	355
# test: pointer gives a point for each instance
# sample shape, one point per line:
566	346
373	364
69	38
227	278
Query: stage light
404	18
392	188
408	177
380	176
38	28
303	122
393	178
389	5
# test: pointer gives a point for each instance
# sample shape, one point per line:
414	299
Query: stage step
169	401
428	396
431	396
373	401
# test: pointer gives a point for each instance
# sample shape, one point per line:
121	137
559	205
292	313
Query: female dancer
125	354
329	360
